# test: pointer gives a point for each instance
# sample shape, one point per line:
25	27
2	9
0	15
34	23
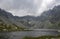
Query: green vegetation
43	37
9	27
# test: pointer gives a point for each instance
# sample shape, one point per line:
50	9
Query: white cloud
27	7
45	5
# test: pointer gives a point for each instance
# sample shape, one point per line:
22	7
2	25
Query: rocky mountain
48	19
51	18
7	21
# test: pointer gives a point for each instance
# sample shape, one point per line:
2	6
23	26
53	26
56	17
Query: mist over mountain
47	20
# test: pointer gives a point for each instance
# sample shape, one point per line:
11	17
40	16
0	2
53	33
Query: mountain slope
7	22
51	17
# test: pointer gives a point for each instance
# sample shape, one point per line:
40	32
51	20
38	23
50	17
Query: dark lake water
21	34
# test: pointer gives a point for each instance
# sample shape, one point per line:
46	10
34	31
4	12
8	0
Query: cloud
27	7
45	6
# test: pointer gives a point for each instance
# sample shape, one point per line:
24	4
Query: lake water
21	34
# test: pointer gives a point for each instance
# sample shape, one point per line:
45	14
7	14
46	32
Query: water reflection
5	35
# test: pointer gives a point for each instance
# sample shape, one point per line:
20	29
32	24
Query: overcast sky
27	7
